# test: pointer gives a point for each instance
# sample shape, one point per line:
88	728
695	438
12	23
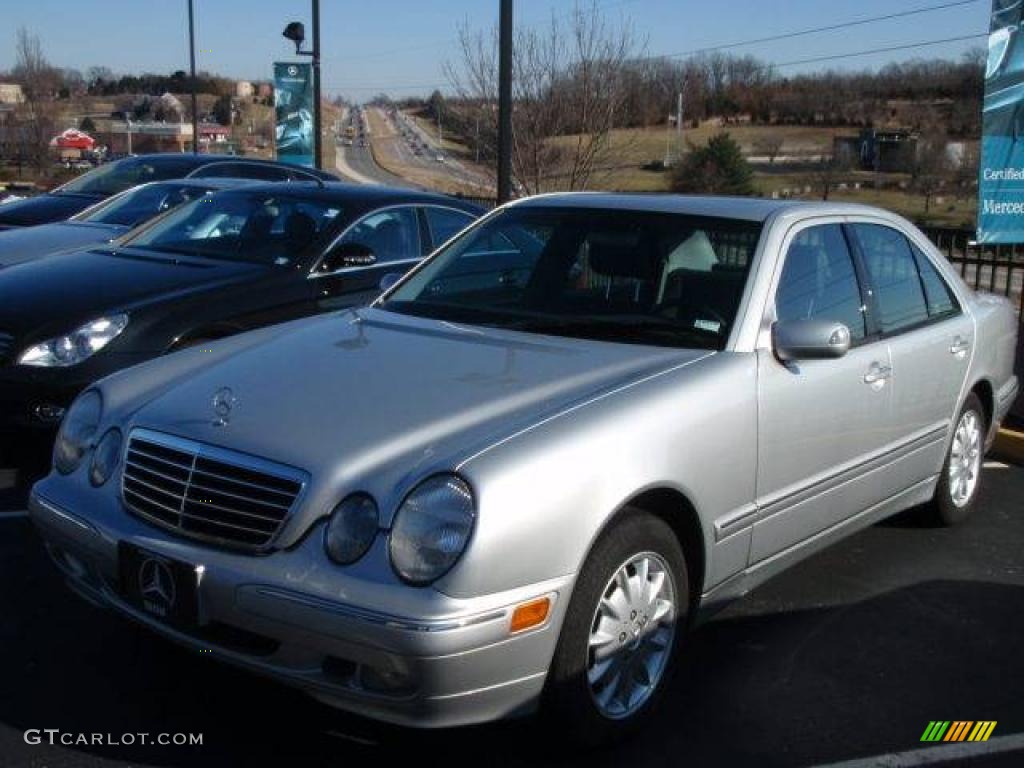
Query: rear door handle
960	347
877	375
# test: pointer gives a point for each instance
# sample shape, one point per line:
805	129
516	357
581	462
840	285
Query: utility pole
318	149
505	29
668	142
192	67
679	126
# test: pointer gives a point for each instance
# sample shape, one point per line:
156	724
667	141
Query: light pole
192	67
297	34
505	29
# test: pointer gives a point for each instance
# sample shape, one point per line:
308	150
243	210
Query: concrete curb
1009	446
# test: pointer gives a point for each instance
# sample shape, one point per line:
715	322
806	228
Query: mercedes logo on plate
156	585
224	401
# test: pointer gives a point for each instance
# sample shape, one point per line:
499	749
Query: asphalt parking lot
847	656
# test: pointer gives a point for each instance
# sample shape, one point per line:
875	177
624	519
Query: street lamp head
296	32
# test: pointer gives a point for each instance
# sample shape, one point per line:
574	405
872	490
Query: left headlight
76	346
77	431
431	529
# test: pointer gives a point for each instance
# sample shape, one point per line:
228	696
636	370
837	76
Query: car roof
341	192
743	208
199	161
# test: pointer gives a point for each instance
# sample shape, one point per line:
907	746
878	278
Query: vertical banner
1001	184
293	105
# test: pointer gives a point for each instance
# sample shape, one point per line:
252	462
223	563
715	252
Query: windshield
137	205
627	276
258	227
124	174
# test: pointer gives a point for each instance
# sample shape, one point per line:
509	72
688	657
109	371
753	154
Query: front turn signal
531	614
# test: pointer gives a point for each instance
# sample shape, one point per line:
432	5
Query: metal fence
993	268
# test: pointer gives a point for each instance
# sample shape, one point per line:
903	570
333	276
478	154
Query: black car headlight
351	529
105	458
77	431
76	346
431	529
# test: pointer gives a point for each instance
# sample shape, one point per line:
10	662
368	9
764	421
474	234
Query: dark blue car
110	179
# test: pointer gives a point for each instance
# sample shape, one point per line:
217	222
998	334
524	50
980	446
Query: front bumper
454	662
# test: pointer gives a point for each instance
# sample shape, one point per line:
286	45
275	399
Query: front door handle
877	375
960	347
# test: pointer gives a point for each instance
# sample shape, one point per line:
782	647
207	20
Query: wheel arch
985	392
673	507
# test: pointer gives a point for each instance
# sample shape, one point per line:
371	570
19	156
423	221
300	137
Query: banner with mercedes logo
1001	184
293	103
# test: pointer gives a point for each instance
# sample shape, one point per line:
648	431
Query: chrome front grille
208	493
6	346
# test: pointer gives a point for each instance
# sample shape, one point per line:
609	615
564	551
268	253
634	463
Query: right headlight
77	431
431	529
79	345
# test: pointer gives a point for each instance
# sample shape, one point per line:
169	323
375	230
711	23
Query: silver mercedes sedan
522	475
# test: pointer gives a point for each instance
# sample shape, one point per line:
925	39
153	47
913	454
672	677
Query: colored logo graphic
958	730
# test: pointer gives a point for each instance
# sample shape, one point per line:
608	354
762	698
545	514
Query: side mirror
810	339
388	281
348	255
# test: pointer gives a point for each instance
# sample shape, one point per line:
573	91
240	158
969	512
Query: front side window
392	235
892	270
819	281
143	203
627	276
257	227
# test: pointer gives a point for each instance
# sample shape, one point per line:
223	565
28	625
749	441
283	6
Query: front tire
625	620
957	491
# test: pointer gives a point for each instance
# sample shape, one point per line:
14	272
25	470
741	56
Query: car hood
28	243
370	400
56	294
43	209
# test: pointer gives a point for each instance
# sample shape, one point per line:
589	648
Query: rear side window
937	292
892	270
243	171
445	223
819	282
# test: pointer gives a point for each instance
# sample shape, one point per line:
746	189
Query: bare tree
826	173
770	146
931	166
40	82
569	92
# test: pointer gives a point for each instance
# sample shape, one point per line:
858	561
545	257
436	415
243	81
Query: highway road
411	133
396	139
356	164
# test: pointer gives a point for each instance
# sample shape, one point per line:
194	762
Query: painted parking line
943	753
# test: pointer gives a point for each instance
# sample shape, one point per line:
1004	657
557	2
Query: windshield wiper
631	328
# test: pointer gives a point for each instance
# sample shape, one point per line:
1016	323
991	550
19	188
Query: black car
239	259
89	188
105	221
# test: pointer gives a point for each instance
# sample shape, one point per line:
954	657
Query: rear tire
627	616
957	491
